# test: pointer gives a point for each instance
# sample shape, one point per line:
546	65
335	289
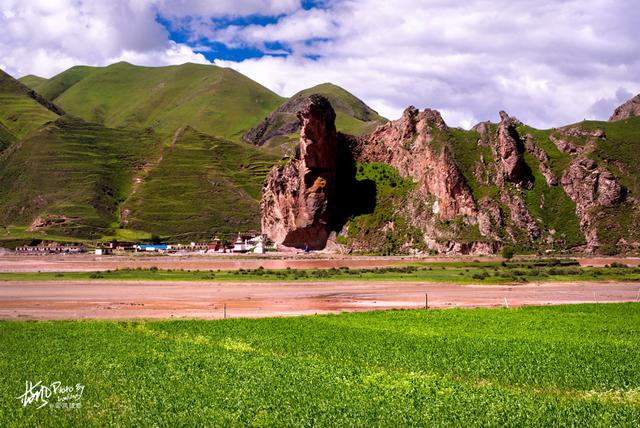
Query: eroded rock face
303	201
298	200
509	152
591	186
629	109
520	215
406	145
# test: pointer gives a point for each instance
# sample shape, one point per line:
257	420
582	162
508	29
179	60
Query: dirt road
152	299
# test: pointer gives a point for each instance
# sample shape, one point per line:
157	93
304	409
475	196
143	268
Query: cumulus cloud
547	62
47	36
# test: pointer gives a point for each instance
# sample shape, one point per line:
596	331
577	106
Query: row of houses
51	248
242	244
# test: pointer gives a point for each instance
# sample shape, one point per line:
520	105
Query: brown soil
206	300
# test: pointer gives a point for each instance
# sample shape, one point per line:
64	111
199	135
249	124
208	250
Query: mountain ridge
148	156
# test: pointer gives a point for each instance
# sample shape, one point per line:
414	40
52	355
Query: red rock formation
629	109
507	150
590	186
298	198
406	144
301	199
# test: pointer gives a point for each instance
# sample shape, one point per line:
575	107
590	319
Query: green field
575	365
469	273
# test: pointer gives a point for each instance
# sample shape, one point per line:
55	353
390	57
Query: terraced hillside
70	176
200	186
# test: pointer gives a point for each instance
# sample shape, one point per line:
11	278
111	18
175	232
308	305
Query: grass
214	100
467	153
202	186
16	236
20	113
469	273
371	229
575	365
127	235
73	174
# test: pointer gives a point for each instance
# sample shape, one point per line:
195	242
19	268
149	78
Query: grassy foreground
568	365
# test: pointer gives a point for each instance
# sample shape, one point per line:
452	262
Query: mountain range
182	152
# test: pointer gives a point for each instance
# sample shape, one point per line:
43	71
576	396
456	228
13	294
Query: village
242	244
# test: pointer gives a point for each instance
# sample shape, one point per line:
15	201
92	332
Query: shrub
507	252
609	250
480	275
618	265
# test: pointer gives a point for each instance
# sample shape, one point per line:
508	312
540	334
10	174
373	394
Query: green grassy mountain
214	100
54	87
130	155
200	186
32	81
126	151
69	177
21	110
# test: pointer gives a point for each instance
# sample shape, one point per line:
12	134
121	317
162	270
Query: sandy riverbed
54	300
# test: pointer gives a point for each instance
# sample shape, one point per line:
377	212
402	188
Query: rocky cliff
446	190
629	109
298	200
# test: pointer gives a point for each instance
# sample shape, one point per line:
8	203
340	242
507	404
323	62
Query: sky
549	63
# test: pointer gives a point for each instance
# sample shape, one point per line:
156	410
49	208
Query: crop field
573	365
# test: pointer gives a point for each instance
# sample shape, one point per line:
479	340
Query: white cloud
547	62
204	8
46	36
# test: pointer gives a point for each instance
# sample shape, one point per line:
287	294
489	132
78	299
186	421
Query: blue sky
546	62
